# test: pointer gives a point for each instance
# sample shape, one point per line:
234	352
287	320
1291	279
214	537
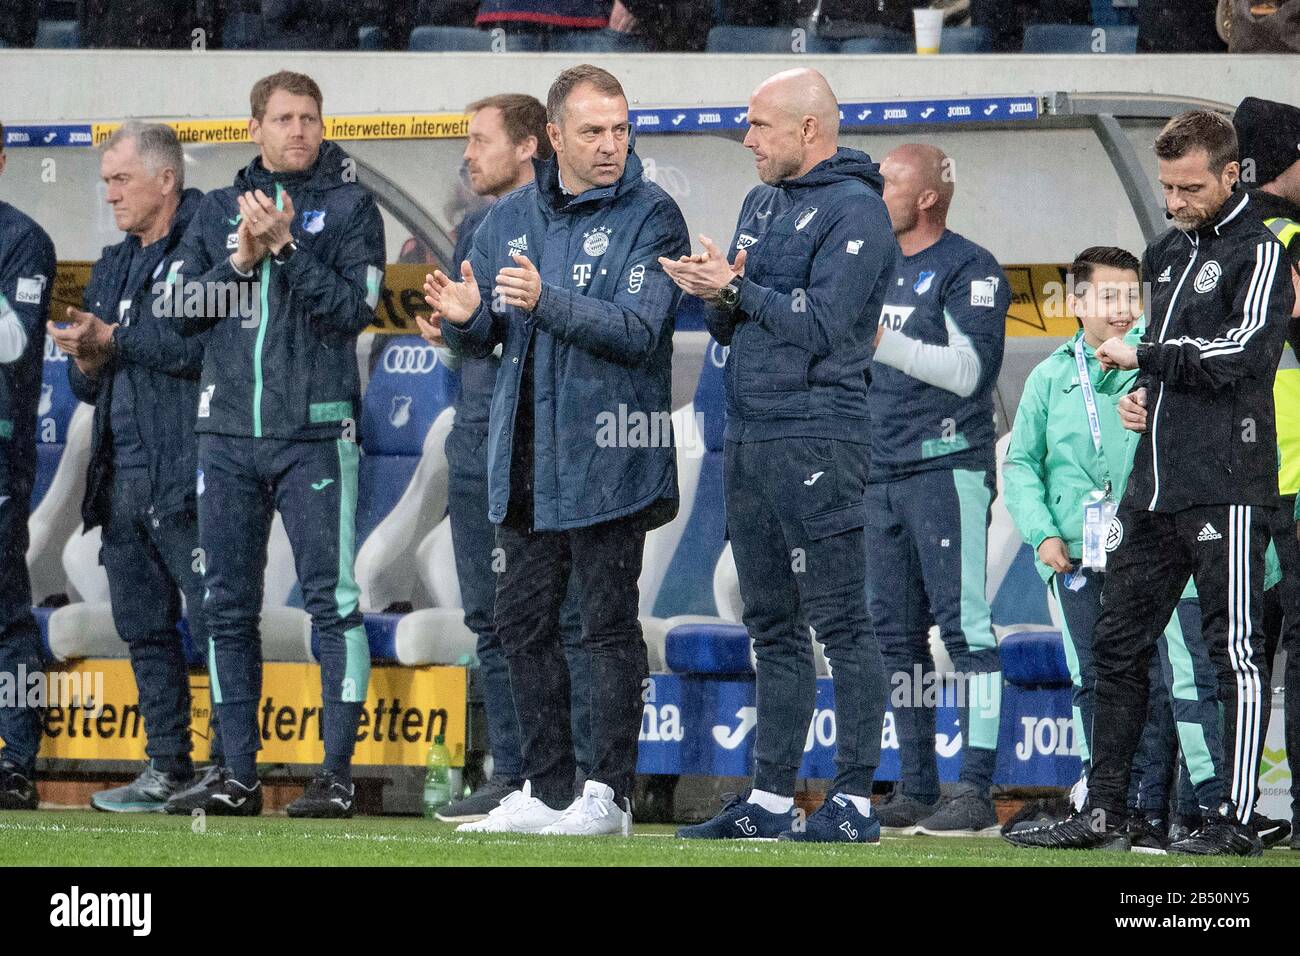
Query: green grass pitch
86	838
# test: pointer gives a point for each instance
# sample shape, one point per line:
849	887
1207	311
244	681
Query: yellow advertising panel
383	126
92	713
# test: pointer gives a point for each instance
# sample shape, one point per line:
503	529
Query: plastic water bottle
437	778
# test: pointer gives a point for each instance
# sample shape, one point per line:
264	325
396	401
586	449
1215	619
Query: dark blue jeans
795	517
151	561
20	639
605	562
474	538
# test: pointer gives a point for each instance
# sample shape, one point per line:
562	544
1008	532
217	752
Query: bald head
794	123
918	186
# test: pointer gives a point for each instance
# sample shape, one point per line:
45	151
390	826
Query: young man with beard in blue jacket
131	363
289	261
938	352
797	306
564	272
26	283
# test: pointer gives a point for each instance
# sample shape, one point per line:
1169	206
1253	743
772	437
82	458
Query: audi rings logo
718	354
410	359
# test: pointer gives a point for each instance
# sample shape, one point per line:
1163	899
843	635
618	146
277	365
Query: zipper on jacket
1155	414
261	329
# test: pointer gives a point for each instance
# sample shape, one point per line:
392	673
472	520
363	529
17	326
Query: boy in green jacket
1069	451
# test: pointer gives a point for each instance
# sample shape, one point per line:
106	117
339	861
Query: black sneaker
325	796
1220	835
17	789
1081	830
1270	832
967	813
1184	825
899	814
219	794
1147	835
478	804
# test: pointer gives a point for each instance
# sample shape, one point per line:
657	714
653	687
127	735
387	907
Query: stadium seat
241	31
402	489
58	35
1034	658
708	649
729	39
370	37
63	430
1105	13
890	41
965	40
595	41
1064	38
471	40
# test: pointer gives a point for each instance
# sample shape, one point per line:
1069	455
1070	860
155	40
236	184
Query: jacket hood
547	173
845	164
321	175
190	199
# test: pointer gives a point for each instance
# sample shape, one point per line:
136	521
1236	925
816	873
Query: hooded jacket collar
845	164
319	176
547	176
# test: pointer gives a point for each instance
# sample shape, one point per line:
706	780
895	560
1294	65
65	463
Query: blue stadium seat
1106	14
965	40
1064	38
1034	659
687	586
381	635
370	37
241	31
58	35
53	419
728	39
708	649
469	40
890	41
595	41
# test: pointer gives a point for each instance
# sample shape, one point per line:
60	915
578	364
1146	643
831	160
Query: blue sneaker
837	820
739	820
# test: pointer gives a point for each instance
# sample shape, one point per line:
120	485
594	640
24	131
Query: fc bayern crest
595	243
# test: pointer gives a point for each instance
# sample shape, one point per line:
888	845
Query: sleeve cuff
228	265
752	296
894	349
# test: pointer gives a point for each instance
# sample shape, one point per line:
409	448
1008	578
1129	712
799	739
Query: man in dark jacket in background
565	273
26	283
287	268
143	379
797	305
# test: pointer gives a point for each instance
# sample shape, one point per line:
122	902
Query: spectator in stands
1070	455
1178	26
310	24
1254	27
797	304
938	353
130	362
1006	19
546	14
507	134
1203	482
27	266
589	339
289	261
18	25
145	24
1268	135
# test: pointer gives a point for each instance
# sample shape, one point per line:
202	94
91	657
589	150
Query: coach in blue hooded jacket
564	273
286	266
797	307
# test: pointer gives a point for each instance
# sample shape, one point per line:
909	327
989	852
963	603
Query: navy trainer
837	820
740	820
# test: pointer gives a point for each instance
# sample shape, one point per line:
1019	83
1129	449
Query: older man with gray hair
129	361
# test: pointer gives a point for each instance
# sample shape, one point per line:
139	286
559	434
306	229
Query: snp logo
75	909
582	274
895	316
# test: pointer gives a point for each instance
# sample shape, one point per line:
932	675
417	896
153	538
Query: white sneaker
595	813
519	812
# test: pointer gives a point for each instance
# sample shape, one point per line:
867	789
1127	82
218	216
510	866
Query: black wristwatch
729	295
286	252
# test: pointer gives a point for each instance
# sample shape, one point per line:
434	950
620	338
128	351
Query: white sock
862	803
771	802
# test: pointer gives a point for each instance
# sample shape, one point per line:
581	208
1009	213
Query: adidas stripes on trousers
1222	547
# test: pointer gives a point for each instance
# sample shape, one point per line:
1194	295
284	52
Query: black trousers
1282	629
1222	547
606	561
